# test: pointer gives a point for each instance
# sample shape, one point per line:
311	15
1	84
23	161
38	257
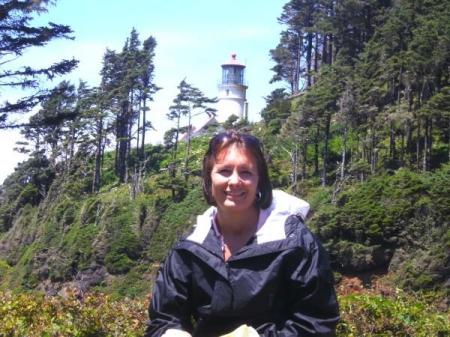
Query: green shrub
362	315
405	315
137	283
372	221
118	263
33	315
177	219
29	194
78	244
4	269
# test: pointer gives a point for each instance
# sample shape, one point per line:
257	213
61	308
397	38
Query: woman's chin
240	204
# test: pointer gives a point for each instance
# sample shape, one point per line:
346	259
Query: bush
362	315
33	315
374	221
405	315
178	218
29	195
118	263
4	269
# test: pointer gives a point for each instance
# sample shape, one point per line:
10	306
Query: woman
249	261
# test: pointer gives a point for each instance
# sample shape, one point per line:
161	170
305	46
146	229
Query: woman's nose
234	178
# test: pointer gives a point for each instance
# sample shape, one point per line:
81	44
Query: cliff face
84	240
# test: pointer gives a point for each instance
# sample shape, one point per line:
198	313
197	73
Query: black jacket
280	283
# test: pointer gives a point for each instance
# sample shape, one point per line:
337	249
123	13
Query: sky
194	37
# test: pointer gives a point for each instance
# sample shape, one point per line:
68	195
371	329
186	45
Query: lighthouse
232	100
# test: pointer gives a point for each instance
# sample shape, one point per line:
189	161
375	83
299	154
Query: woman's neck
239	223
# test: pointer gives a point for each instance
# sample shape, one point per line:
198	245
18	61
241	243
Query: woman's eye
224	171
246	174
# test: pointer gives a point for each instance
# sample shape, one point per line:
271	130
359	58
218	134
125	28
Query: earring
258	196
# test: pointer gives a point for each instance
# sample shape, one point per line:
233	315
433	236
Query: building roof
199	129
233	62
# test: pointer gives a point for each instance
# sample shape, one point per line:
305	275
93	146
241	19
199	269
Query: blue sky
194	38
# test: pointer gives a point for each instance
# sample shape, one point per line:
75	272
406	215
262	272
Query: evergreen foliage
177	220
17	35
399	315
127	87
189	102
381	223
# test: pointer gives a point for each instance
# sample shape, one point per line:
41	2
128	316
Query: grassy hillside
112	240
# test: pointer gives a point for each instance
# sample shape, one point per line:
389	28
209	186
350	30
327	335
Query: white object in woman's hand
243	331
176	333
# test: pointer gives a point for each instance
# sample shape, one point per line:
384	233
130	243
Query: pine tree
147	88
18	35
287	56
189	102
49	128
127	80
179	109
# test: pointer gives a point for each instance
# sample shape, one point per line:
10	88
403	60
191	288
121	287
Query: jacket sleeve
313	309
169	307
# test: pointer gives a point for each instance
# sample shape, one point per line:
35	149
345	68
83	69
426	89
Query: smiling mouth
234	194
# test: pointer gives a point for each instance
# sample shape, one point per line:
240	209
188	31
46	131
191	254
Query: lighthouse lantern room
232	90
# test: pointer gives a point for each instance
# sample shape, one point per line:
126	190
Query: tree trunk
316	57
294	167
304	159
130	121
430	142
344	153
426	159
392	146
330	50
138	140
122	143
425	146
296	75
449	139
188	147
373	155
402	149
325	151
309	59
409	144
144	128
362	155
316	150
325	49
175	147
71	147
98	156
418	145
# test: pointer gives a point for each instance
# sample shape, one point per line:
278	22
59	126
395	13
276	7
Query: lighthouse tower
232	90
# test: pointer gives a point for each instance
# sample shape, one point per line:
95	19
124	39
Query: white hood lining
270	223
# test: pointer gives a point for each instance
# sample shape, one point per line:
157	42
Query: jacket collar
270	223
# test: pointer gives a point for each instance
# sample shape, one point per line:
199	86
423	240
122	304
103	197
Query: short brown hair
248	142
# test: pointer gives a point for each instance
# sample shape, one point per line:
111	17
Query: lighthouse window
232	75
238	75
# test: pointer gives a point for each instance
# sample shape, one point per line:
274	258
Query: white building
231	99
232	89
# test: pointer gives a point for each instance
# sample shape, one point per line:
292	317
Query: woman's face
234	179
